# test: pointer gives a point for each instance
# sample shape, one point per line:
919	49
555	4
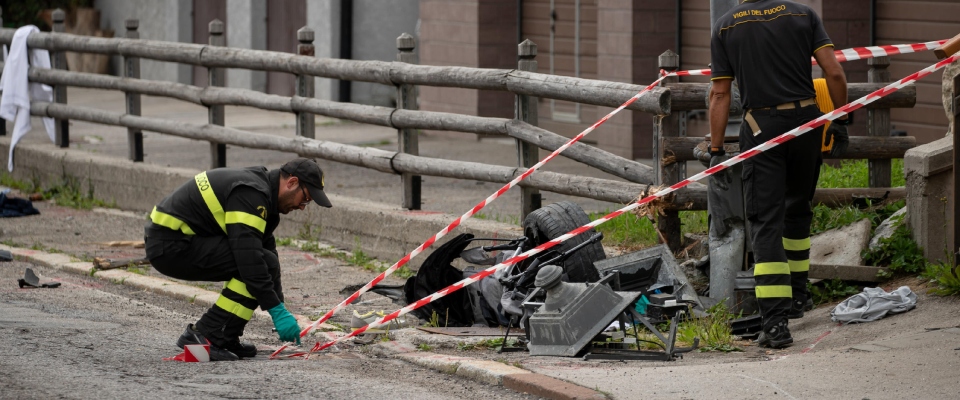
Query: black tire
556	219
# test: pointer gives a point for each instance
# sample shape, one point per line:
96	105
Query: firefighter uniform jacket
240	203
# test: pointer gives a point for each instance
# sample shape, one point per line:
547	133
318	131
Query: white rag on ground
873	304
17	92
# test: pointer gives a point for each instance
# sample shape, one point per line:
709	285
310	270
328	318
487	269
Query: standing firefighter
766	46
219	227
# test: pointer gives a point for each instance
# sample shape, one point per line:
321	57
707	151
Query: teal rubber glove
285	323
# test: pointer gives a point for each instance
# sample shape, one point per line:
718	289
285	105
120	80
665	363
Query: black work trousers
195	258
778	187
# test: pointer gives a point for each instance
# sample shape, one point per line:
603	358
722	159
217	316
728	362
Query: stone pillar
131	70
306	122
218	151
62	126
408	140
527	154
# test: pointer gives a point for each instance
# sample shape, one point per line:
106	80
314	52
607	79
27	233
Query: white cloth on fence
17	91
873	304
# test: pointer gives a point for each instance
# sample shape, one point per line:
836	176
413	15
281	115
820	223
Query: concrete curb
489	372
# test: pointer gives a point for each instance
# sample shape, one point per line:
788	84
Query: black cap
310	175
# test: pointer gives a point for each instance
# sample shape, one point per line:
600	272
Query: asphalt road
90	339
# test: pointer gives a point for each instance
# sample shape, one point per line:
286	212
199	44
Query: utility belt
797	104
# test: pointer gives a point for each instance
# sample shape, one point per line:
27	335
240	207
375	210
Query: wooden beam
860	147
858	273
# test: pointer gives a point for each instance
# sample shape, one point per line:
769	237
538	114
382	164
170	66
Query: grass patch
424	347
506	219
11	243
632	232
856	174
480	345
713	330
830	290
945	278
283	241
68	193
898	252
357	257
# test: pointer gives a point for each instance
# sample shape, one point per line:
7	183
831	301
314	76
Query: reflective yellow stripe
211	199
771	268
239	217
239	310
766	292
796	244
826	45
239	287
717	78
799	265
166	220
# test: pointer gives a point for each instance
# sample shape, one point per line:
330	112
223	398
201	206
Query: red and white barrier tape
844	55
856	53
839	112
453	225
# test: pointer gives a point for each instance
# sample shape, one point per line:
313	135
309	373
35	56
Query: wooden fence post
526	109
878	123
306	122
131	70
218	151
408	140
62	126
666	127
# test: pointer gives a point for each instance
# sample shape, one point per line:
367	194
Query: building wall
159	20
246	19
911	21
324	17
569	119
468	33
376	26
449	36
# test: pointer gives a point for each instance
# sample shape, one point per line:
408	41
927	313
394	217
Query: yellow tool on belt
826	105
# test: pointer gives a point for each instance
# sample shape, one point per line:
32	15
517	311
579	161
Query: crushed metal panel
670	273
567	331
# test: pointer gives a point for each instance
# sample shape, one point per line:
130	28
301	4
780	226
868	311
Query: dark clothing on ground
13	207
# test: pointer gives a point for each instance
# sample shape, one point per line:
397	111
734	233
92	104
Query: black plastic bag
436	273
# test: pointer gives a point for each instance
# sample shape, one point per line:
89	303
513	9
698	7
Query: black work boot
242	350
776	337
192	336
798	307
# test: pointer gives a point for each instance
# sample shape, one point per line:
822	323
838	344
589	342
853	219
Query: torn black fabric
436	273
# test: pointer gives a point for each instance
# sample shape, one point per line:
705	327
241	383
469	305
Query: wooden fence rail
689	198
384	116
588	91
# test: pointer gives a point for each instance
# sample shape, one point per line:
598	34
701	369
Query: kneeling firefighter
219	227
